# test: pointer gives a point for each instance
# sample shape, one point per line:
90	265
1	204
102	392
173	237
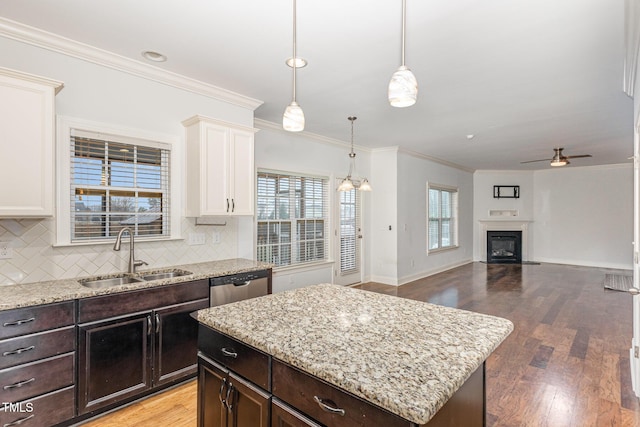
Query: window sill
302	267
111	242
448	248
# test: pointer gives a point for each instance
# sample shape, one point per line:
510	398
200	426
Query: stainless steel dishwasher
236	287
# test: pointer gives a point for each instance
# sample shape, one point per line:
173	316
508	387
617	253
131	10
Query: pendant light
349	183
293	118
403	87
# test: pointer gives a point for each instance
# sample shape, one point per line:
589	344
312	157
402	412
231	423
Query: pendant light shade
403	87
352	181
293	118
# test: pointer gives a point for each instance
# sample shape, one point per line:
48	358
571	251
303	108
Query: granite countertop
30	294
406	356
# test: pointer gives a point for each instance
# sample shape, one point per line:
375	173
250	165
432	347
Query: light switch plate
196	239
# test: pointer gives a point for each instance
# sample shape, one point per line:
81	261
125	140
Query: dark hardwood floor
565	364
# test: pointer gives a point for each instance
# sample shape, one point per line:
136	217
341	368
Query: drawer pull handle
18	351
19	322
229	353
18	384
18	422
325	407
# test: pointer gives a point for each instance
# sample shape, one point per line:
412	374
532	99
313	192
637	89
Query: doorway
348	238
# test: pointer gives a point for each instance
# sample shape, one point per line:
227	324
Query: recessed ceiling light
300	62
470	136
153	56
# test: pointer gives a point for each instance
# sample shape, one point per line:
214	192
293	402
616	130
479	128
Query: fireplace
504	247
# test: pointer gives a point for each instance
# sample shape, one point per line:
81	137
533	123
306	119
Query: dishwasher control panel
239	277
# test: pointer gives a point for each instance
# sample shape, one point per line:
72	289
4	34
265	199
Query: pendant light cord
294	50
404	21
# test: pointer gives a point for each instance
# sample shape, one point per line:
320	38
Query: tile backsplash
34	258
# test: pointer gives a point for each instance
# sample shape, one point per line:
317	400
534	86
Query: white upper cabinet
220	168
27	117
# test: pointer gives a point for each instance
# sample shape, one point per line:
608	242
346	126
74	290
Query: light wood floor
566	363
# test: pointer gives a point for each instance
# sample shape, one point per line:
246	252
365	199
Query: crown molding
632	45
43	39
436	160
277	127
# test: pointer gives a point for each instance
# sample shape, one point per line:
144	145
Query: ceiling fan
558	158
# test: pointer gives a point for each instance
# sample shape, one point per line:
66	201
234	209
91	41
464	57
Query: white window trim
434	186
63	175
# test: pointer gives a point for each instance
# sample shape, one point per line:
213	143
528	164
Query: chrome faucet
133	263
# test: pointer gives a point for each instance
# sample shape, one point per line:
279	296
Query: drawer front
282	415
104	307
301	390
15	351
240	358
31	379
35	319
43	411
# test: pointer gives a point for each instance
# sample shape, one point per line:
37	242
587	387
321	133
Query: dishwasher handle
242	284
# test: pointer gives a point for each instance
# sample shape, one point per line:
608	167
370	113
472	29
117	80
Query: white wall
580	215
584	216
384	216
106	95
413	175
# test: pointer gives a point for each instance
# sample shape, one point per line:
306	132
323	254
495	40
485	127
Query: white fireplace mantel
503	225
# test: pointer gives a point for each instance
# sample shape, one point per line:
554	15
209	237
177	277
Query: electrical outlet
216	237
5	250
197	239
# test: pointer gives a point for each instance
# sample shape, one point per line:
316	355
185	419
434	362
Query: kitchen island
322	345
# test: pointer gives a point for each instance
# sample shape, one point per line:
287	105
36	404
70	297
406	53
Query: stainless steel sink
164	275
109	282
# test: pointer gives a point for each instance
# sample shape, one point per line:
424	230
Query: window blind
442	227
116	184
292	218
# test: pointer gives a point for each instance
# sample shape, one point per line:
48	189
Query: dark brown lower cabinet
282	415
227	400
123	357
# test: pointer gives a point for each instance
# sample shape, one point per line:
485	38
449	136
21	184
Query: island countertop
408	357
47	292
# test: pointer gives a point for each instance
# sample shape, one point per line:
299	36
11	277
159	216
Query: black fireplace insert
504	247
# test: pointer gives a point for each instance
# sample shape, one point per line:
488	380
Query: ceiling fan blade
533	161
578	156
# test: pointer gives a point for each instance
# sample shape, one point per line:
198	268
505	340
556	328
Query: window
117	182
292	218
442	208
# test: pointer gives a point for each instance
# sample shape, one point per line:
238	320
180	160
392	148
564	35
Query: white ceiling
523	76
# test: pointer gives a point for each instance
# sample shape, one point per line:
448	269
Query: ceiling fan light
293	118
403	88
346	185
559	162
365	186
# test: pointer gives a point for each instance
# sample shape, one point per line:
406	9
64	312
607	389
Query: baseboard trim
616	266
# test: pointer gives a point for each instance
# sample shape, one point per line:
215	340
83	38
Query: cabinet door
283	415
247	404
176	342
214	170
243	177
114	361
26	132
212	382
